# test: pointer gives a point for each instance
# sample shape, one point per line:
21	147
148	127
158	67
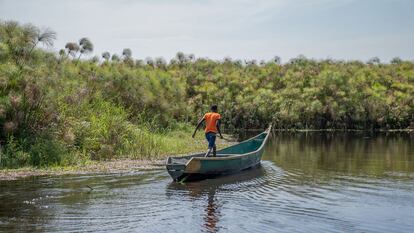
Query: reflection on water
209	188
362	153
308	182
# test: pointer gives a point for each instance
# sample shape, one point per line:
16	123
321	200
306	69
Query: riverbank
92	167
123	165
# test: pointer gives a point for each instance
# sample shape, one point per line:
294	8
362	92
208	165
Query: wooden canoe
239	157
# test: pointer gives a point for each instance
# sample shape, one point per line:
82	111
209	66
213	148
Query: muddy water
308	182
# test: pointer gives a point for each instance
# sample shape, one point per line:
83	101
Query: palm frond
47	37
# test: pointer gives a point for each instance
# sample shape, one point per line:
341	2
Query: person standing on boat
212	120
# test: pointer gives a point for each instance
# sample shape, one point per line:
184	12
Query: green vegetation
58	109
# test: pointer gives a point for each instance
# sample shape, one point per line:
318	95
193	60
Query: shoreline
92	167
121	165
126	165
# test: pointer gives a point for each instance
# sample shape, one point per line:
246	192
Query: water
308	182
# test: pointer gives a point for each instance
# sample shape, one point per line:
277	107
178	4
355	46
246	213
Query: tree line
72	102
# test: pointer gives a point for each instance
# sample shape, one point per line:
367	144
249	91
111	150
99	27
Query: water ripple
270	198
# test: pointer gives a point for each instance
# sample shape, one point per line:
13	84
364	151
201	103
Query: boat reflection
210	189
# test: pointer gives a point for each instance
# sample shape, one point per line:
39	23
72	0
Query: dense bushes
305	93
59	109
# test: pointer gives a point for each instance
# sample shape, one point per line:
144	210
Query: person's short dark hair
214	108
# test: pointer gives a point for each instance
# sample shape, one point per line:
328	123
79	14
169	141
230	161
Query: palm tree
180	57
396	60
160	62
46	37
374	61
22	40
127	53
72	48
62	54
106	55
277	60
191	57
149	61
86	46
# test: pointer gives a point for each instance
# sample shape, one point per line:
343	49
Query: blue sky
243	29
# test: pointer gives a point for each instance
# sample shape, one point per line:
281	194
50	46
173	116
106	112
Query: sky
240	29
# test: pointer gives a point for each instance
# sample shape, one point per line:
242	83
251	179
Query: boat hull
230	160
185	177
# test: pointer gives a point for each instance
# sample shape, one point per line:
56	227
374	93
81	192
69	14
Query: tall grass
56	110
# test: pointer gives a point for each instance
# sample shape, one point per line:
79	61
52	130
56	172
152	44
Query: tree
127	54
86	46
277	60
22	40
173	61
139	62
160	62
62	54
115	58
45	37
374	61
95	59
72	48
228	60
252	62
191	57
299	60
238	63
106	56
262	62
180	56
396	60
149	61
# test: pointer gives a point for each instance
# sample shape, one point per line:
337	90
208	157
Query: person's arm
218	128
198	125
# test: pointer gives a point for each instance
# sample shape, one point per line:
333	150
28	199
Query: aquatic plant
57	110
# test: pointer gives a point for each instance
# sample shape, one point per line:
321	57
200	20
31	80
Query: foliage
58	108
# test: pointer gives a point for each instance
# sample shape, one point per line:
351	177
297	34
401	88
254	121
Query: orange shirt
211	119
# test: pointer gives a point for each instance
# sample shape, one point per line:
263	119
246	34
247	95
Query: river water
308	182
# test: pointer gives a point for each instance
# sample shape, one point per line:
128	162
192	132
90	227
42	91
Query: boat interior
244	147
